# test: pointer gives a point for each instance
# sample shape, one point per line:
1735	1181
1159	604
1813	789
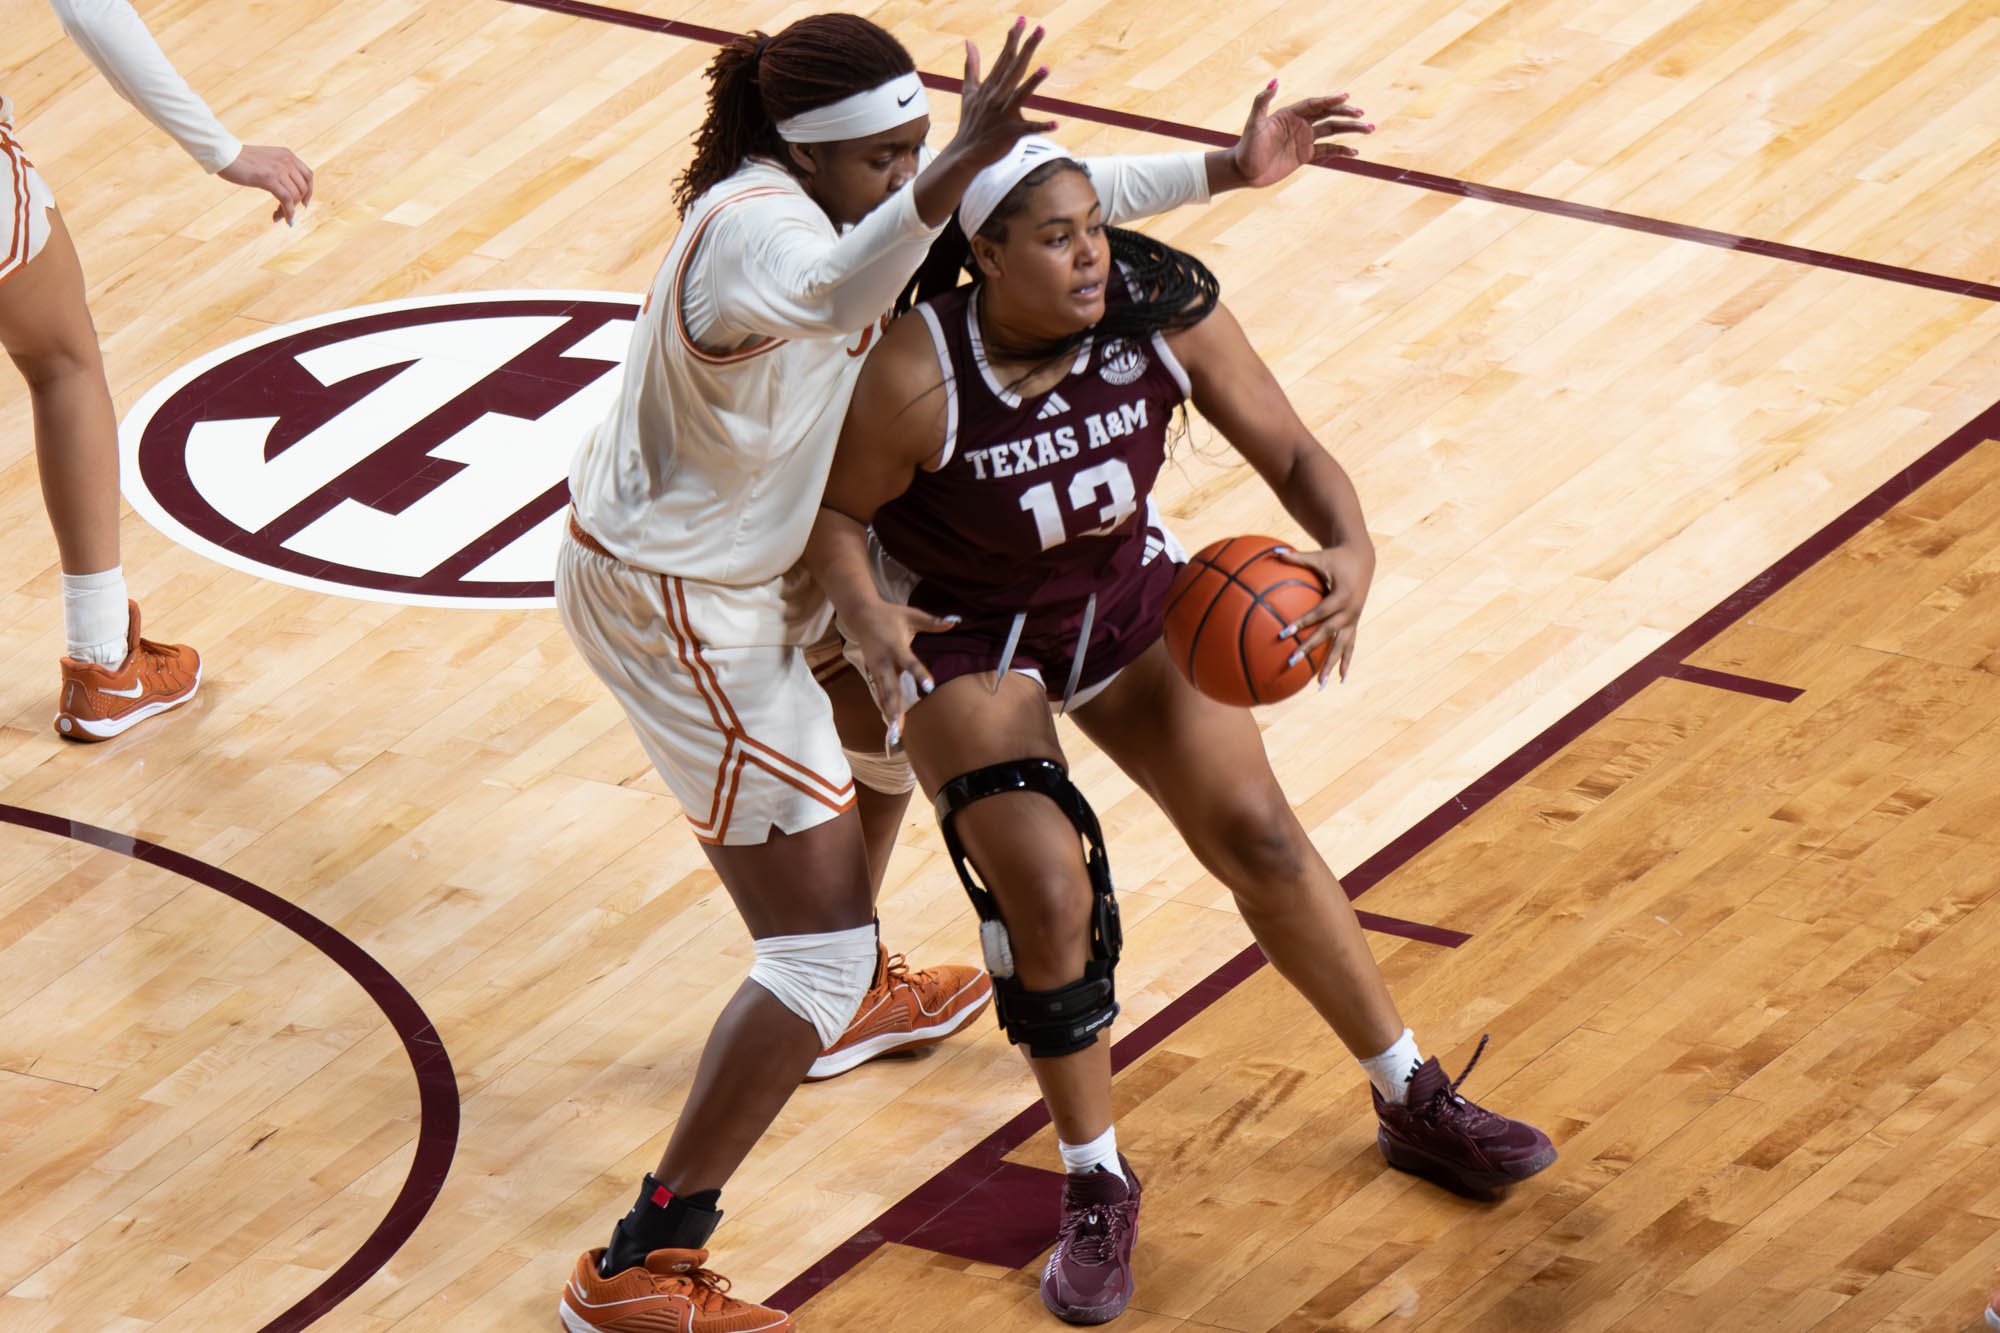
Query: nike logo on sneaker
133	693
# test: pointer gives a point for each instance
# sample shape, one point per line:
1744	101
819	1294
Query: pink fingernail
1269	86
1043	71
1370	128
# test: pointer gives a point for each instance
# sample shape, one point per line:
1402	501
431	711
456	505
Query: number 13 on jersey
1110	477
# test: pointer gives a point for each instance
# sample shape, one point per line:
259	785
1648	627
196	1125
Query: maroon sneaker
1089	1275
1444	1138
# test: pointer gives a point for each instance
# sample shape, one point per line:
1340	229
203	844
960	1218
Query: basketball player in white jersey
810	204
111	678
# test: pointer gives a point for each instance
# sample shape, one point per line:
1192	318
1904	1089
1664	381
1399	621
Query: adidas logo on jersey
1054	407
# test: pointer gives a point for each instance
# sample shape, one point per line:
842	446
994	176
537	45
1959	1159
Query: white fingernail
1295	659
1289	630
895	733
926	685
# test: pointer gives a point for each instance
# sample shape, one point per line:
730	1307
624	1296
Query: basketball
1224	612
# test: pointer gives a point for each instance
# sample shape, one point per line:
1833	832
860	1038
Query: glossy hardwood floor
1735	952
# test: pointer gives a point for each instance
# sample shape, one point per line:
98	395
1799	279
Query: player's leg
111	678
808	892
1204	763
881	788
992	762
805	885
746	744
47	331
906	1008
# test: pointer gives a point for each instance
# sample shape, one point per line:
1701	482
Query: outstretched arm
1272	146
1236	391
117	41
895	422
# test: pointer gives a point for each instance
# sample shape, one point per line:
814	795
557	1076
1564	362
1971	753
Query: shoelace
898	970
1467	1071
1088	1235
711	1289
1454	1104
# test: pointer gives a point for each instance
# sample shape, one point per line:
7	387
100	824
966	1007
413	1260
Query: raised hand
277	171
989	121
1274	144
989	117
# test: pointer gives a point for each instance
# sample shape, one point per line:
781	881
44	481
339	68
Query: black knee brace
1068	1018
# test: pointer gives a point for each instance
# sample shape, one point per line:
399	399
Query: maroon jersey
1037	505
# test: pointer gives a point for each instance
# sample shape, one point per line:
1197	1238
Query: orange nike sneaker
100	702
673	1293
904	1010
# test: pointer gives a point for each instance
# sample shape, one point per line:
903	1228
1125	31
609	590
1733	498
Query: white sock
1100	1151
1391	1070
95	617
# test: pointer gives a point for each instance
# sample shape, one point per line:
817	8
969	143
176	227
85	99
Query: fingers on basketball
1224	613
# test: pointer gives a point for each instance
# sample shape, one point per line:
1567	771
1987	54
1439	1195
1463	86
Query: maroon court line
1729	680
1669	658
437	1086
974	1175
1422	180
1411	930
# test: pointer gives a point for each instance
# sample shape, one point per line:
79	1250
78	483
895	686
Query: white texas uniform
680	580
112	35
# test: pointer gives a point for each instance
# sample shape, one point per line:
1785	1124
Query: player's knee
57	360
1258	846
1051	904
821	978
1047	912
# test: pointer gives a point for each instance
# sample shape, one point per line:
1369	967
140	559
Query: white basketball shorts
27	200
738	728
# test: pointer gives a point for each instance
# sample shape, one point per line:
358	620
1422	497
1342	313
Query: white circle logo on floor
415	451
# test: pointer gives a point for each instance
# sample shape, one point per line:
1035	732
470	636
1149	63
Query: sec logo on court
415	451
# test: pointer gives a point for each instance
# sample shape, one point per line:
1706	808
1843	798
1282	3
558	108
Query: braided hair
758	80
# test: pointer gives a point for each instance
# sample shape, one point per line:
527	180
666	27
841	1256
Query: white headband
990	186
897	102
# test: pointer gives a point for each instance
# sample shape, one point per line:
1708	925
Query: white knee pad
821	978
889	774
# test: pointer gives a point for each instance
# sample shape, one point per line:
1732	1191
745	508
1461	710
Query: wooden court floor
1661	338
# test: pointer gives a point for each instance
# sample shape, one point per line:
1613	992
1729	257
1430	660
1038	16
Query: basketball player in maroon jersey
1002	442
